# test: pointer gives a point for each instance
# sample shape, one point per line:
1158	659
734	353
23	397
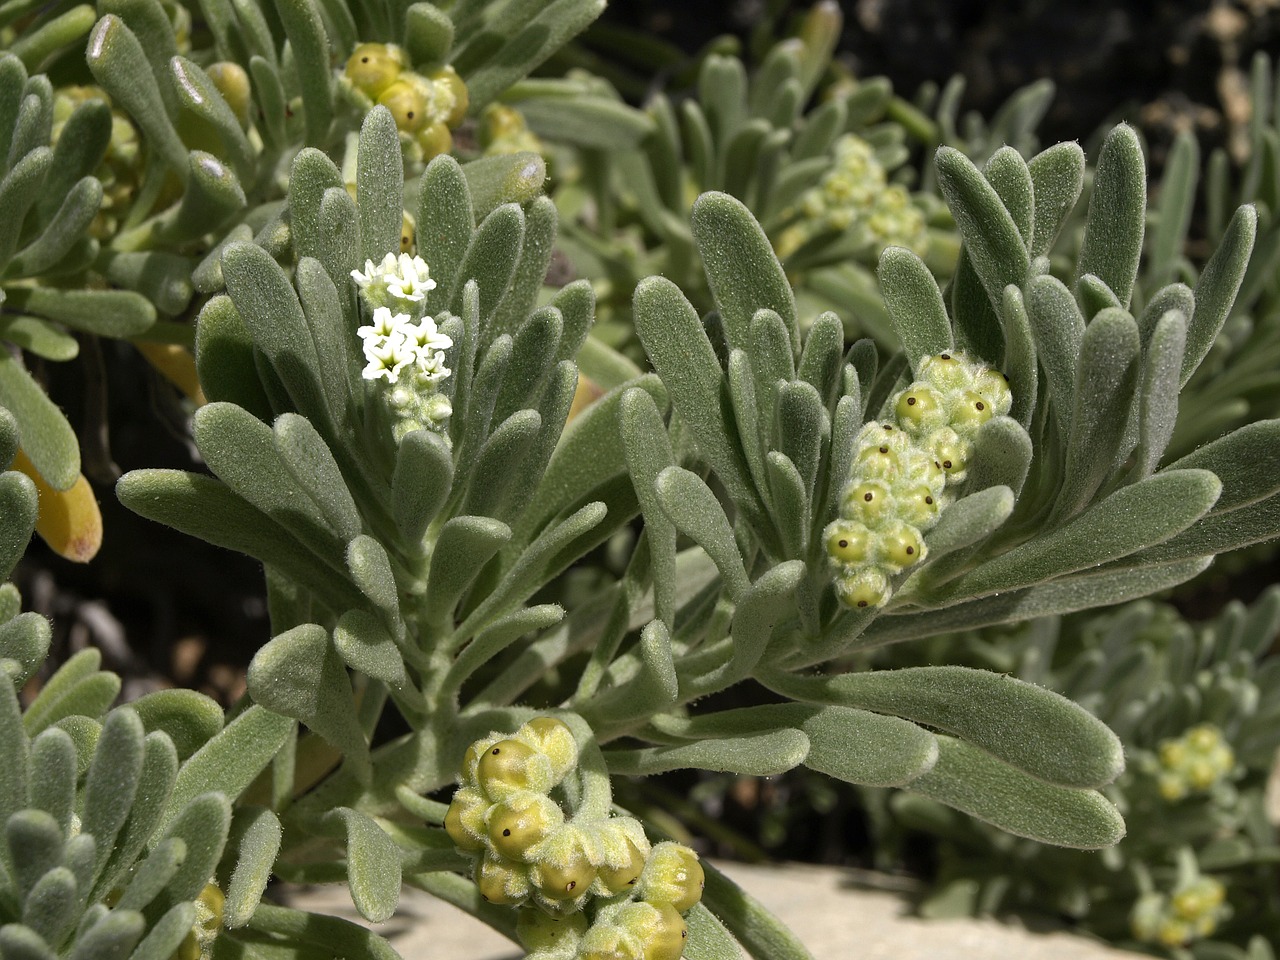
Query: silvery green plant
416	502
1195	707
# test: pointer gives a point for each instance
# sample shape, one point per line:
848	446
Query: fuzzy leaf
373	865
1217	287
1176	199
167	934
308	460
298	674
915	305
364	644
304	27
202	824
19	507
759	755
111	938
231	760
491	261
1117	214
464	546
379	185
113	779
1057	175
1058	328
47	438
689	503
648	452
742	270
260	835
421	483
371	572
188	718
1158	400
980	785
331	934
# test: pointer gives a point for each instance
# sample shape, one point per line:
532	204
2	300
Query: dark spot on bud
844	543
632	881
684	933
946	465
409	115
889	428
929	500
910	551
868	497
507	832
980	405
1006	377
495	751
884	449
911	401
364	59
946	356
937	464
862	603
571	884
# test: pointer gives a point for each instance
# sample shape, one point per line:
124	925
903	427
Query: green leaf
304	27
1053	738
1158	400
19	507
363	642
310	464
203	825
167	934
1246	461
225	358
108	313
992	241
1218	285
694	510
53	754
855	746
1173	211
504	178
759	755
119	64
113	780
22	943
153	874
1057	176
299	674
1019	355
379	185
491	260
333	934
371	572
205	508
18	191
420	484
79	207
188	718
708	939
24	640
970	520
464	546
678	347
373	865
1133	517
311	176
231	760
590	452
540	225
1008	174
156	780
428	35
1117	214
203	107
598	123
111	938
322	306
51	906
767	601
47	438
259	843
648	452
980	785
915	305
1106	378
1058	328
742	270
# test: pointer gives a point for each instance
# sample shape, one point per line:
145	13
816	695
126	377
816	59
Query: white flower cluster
401	277
393	342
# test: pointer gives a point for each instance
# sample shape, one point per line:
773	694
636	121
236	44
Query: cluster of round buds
406	350
426	107
902	469
503	130
528	854
1193	763
1190	913
855	195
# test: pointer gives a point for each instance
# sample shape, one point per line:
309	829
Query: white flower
410	280
371	275
386	357
385	323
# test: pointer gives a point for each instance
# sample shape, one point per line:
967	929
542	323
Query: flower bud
878	462
625	849
971	411
607	941
373	67
920	409
562	869
672	874
451	95
433	140
509	766
950	452
868	587
869	502
848	542
501	882
407	105
945	372
900	546
993	386
557	935
516	825
555	740
233	83
466	811
656	925
919	506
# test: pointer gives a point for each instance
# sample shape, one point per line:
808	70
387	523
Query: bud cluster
426	108
902	470
199	941
503	130
854	195
1191	912
1193	763
529	854
406	350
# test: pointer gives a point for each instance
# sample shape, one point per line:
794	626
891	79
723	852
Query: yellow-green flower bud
878	462
994	386
901	546
656	925
407	105
452	96
848	542
562	869
501	882
554	739
558	934
673	875
950	452
407	228
374	67
1173	932
971	411
233	83
869	502
606	941
919	506
509	766
434	140
1202	898
920	409
625	850
467	813
868	587
516	825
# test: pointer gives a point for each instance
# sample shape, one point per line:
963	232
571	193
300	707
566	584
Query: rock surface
834	920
